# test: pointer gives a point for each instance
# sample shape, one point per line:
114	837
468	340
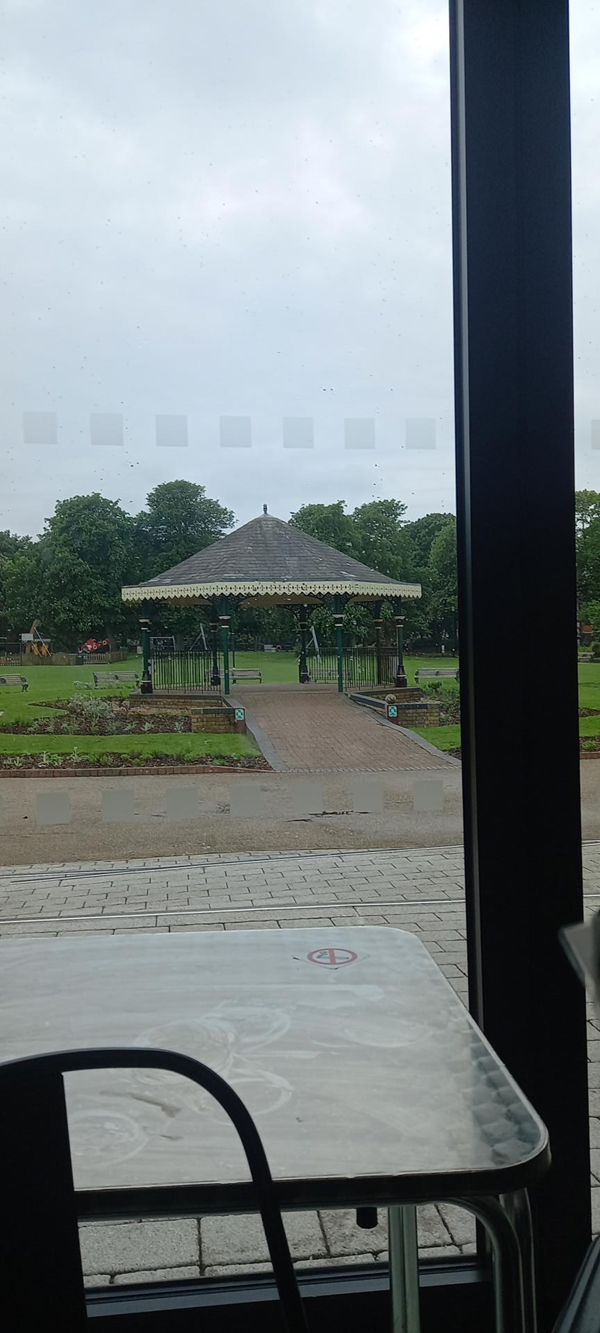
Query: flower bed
45	764
88	715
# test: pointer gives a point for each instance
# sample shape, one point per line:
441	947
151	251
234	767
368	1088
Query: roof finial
264	509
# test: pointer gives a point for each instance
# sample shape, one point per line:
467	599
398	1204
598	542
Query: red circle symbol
329	957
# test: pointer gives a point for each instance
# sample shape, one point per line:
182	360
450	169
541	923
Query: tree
87	552
329	523
76	602
10	546
587	509
423	532
179	520
21	591
588	565
443	575
381	538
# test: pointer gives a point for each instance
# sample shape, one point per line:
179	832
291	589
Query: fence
193	670
185	671
360	667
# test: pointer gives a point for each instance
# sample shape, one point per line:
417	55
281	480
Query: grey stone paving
415	889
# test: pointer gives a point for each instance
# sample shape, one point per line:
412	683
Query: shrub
589	745
595	649
89	707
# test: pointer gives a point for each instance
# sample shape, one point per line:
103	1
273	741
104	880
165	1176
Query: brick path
325	732
421	890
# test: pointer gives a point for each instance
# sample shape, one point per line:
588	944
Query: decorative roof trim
168	592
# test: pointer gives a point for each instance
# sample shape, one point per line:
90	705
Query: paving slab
120	1247
157	1275
325	732
243	1238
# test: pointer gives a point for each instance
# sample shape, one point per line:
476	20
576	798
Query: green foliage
423	532
88	706
587	509
329	523
71	578
444	579
11	547
179	520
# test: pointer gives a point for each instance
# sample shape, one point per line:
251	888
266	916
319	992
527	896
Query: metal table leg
518	1208
510	1305
404	1268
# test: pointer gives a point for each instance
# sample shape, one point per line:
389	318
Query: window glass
227	279
585	30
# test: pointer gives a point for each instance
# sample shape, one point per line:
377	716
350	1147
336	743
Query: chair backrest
40	1258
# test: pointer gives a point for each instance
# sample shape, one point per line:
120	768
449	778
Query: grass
448	738
48	683
51	683
274	667
190	745
444	738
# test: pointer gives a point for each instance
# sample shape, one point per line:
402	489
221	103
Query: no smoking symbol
332	957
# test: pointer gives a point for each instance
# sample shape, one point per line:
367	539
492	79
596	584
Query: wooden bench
245	673
116	678
14	679
436	673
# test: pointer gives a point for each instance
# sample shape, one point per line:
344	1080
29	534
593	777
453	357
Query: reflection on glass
228	279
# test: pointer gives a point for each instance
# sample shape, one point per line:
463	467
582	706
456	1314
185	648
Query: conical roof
267	563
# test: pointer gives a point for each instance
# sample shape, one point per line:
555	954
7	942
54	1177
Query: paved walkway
107	817
60	819
421	890
323	732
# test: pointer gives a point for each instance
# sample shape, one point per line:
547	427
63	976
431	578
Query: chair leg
404	1268
42	1282
508	1262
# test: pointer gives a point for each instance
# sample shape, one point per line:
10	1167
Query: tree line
70	577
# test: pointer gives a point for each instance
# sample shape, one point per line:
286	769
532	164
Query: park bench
436	673
116	678
245	673
13	679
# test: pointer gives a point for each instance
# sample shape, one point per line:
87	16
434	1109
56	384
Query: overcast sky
241	210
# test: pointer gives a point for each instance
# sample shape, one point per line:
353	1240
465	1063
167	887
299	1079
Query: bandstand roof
268	563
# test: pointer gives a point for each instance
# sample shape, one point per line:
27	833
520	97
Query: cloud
245	211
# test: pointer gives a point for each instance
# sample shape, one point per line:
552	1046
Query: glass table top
348	1046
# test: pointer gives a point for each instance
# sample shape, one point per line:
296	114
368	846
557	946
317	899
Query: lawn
48	683
274	667
54	682
189	746
448	738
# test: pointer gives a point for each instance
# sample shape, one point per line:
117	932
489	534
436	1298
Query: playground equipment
35	643
92	646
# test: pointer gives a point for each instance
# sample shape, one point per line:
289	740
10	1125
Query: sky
226	252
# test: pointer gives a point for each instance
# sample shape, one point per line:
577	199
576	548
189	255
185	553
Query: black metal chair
40	1259
581	1313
